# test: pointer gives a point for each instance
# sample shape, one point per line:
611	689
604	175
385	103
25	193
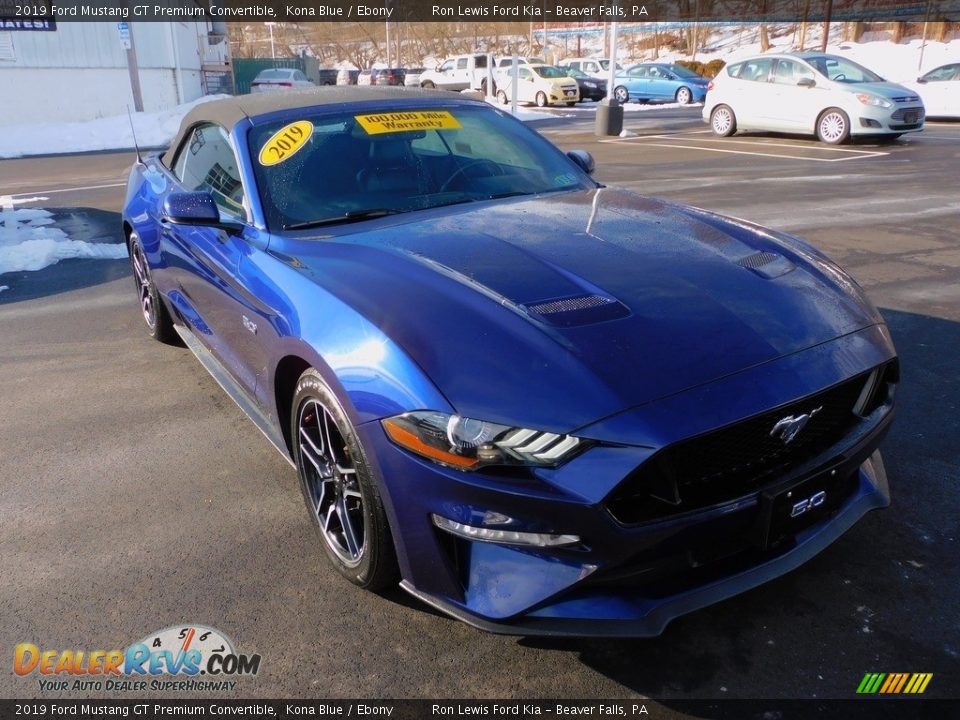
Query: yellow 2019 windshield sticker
380	123
285	142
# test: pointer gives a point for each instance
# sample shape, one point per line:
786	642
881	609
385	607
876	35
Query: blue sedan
659	81
540	404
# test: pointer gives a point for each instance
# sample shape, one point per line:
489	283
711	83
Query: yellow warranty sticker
407	121
285	142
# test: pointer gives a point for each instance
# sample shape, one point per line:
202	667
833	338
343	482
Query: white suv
810	93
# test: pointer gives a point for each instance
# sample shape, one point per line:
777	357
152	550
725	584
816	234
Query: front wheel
621	95
542	99
428	85
155	314
571	103
338	487
833	127
684	96
722	121
502	97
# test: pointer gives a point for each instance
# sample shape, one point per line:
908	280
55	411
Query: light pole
273	50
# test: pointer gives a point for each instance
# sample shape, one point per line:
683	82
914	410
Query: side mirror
806	82
922	80
584	160
195	208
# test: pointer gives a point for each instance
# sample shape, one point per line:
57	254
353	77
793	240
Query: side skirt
232	388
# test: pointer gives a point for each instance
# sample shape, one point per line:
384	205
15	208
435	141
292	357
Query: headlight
868	99
592	86
468	444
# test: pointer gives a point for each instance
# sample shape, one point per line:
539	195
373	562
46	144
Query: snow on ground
27	242
154	129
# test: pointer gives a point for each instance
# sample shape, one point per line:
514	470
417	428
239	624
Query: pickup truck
461	72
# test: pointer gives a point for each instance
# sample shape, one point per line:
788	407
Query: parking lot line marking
756	143
773	156
70	189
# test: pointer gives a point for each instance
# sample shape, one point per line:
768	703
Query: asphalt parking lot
136	496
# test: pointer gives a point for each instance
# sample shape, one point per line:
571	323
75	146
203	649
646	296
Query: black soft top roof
229	111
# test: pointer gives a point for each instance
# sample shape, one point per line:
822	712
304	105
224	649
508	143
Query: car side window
789	72
734	70
462	64
756	70
206	163
525	74
942	74
638	72
297	75
655	72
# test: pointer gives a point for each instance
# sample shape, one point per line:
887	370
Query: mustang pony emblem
789	427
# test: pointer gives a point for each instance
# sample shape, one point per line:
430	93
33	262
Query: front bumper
902	118
629	580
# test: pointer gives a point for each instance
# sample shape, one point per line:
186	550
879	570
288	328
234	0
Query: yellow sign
380	123
285	142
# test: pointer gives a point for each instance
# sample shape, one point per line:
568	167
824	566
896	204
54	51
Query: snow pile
153	130
28	243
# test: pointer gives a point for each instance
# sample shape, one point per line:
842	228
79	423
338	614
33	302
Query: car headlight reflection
468	444
868	99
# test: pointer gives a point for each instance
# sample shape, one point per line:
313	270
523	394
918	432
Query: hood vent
766	264
578	310
583	302
758	259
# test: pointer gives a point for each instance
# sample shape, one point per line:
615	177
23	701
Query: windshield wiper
347	217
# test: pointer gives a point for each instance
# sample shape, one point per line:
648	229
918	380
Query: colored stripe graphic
894	683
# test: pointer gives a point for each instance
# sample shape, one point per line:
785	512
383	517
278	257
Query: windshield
548	71
605	64
842	70
329	168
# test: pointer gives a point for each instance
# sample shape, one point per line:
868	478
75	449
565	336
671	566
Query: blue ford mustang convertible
542	405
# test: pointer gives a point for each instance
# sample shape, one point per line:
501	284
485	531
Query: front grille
736	460
907	98
907	114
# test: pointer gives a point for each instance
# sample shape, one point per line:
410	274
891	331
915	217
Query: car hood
555	311
886	90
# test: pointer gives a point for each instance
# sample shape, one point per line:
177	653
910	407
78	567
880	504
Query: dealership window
6	46
206	162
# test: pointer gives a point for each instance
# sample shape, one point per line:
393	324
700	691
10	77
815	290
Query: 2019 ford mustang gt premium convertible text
544	405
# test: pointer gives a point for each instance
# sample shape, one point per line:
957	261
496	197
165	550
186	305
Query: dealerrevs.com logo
199	657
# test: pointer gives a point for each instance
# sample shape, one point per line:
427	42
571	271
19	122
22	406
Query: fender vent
758	259
584	302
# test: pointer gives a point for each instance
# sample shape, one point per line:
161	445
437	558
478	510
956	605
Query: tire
155	314
542	99
502	97
338	487
483	86
428	85
571	103
722	121
833	126
621	94
684	96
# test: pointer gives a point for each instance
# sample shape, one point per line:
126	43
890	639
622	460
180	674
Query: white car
940	91
539	84
594	67
810	93
411	77
279	79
